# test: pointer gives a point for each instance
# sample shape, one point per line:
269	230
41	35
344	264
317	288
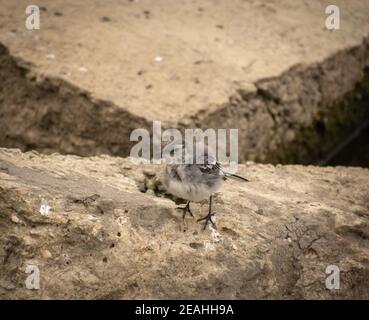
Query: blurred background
292	76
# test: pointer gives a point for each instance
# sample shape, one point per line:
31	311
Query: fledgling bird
196	181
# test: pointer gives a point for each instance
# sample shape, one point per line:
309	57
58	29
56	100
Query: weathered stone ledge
103	238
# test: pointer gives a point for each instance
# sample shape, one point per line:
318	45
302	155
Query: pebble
15	219
46	254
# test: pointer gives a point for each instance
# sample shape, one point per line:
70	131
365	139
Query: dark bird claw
208	219
185	210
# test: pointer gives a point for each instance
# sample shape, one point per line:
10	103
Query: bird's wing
209	168
210	165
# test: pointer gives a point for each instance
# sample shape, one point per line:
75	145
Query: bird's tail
235	177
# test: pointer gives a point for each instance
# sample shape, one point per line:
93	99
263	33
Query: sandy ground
168	59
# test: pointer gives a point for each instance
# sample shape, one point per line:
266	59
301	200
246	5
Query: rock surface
84	223
94	72
194	54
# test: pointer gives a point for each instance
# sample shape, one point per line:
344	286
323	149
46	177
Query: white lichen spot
158	59
121	220
208	245
215	235
44	208
50	56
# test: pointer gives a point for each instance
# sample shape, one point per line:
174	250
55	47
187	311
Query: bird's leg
185	210
208	217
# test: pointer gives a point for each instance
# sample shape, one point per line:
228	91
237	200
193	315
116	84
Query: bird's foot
208	219
185	210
